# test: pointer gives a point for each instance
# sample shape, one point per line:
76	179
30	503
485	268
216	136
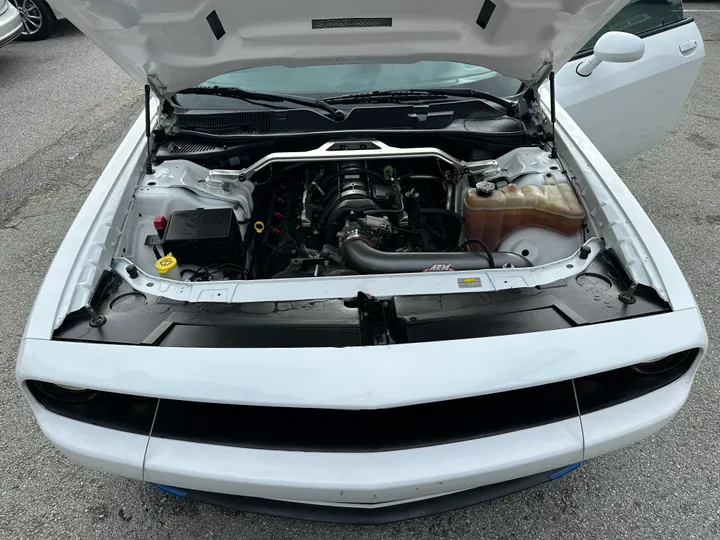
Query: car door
626	108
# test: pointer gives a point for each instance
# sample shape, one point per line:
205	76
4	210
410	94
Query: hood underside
176	44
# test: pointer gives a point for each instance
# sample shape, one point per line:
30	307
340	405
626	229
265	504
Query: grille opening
359	22
376	430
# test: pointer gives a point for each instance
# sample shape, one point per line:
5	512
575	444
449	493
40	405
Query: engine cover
351	191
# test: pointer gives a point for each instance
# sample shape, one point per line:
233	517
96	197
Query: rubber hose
369	260
448	213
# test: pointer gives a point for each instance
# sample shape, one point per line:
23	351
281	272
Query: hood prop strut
148	133
553	150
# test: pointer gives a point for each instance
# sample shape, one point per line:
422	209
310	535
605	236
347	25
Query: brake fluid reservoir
492	214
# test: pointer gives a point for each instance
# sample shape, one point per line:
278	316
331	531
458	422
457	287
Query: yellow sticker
469	282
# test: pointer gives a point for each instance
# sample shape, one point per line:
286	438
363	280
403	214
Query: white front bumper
368	480
357	378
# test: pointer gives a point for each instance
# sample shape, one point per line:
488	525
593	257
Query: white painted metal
625	109
361	377
625	226
613	47
173	41
365	478
541	246
379	286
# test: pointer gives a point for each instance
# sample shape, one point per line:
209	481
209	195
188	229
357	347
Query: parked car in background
38	19
10	23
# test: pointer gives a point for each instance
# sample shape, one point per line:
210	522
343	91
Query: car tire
38	19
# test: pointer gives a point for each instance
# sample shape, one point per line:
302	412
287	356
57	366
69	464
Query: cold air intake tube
369	260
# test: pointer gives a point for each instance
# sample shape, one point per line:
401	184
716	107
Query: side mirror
619	47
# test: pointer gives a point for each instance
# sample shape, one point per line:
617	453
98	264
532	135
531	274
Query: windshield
349	78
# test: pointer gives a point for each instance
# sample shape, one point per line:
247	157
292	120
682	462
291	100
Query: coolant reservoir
492	214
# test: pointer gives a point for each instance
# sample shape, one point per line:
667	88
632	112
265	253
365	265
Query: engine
361	217
293	215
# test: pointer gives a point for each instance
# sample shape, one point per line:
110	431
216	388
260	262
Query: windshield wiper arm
421	94
239	93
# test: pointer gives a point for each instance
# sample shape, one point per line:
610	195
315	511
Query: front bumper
367	487
10	25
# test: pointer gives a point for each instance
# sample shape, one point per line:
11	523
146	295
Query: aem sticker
439	268
469	282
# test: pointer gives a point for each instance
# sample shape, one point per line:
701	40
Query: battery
203	236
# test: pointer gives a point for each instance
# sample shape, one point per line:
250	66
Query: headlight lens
667	363
62	392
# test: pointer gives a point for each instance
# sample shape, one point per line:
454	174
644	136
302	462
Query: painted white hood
181	43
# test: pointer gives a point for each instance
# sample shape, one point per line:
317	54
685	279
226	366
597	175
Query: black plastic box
203	236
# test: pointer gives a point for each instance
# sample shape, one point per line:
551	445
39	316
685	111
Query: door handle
687	48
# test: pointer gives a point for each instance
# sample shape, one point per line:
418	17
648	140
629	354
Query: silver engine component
339	151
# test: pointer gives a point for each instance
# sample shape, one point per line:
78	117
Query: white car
356	262
38	19
10	23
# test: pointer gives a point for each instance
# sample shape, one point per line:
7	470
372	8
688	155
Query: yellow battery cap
167	263
259	227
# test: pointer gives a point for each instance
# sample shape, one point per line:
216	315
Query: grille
240	122
364	22
189	147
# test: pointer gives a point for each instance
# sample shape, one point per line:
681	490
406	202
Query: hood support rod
148	133
553	150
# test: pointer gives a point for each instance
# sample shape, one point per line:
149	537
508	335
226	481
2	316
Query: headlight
62	392
667	363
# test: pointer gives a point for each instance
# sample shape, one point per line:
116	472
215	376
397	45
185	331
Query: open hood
176	44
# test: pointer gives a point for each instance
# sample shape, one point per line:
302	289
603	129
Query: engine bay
353	208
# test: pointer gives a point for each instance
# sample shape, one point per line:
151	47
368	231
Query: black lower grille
365	430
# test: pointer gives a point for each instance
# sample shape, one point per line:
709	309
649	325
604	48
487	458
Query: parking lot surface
64	107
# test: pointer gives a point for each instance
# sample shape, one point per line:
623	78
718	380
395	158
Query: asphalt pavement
64	107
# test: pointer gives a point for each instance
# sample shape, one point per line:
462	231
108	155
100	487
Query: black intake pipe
369	260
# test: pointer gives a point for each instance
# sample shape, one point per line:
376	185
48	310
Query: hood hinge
158	88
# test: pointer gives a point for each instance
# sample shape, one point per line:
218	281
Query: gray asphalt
59	99
665	487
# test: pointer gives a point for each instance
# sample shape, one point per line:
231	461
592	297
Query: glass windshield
350	78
